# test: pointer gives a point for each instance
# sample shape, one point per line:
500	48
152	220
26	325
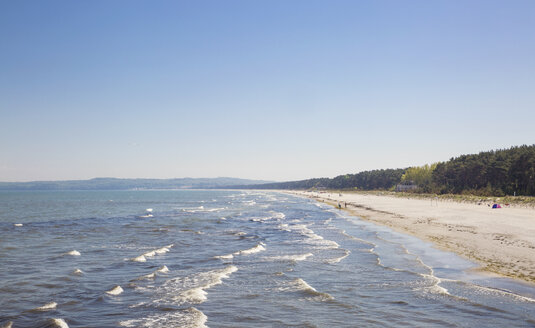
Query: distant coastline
129	184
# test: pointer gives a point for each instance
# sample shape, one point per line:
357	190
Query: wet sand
501	240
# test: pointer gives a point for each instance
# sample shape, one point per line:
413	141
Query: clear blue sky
277	90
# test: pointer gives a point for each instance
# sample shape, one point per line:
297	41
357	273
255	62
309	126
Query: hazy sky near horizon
278	90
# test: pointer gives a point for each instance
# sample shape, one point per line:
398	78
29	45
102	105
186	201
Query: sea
230	258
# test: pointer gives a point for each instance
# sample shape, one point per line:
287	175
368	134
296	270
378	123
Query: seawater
230	259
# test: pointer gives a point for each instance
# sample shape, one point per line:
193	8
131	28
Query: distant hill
128	184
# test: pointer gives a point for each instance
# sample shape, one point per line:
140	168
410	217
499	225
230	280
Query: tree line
490	173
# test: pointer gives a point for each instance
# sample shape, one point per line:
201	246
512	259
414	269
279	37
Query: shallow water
230	259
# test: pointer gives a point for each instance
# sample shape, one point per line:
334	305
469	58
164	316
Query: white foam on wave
258	248
18	224
215	209
191	289
338	259
225	257
202	209
299	228
78	272
277	215
193	209
196	295
47	306
298	257
140	258
188	318
284	227
497	291
143	257
302	286
60	323
115	290
319	241
273	216
344	233
163	250
162	269
73	253
311	237
147	276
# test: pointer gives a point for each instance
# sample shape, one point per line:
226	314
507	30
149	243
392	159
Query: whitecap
196	295
78	272
147	276
140	258
215	209
73	253
164	249
258	248
143	257
338	259
47	306
278	215
190	289
18	224
115	290
60	323
299	257
149	254
188	318
224	257
302	286
162	269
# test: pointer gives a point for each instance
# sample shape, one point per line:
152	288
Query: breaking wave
299	285
47	306
293	258
190	289
143	257
115	290
188	318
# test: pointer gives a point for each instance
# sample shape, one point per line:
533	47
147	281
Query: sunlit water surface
230	259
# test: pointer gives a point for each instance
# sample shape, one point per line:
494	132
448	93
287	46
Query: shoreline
501	241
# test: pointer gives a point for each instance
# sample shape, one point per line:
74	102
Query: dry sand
502	240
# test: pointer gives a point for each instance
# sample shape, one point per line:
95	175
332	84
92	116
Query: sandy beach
501	240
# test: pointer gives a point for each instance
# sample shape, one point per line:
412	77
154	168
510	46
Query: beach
501	240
